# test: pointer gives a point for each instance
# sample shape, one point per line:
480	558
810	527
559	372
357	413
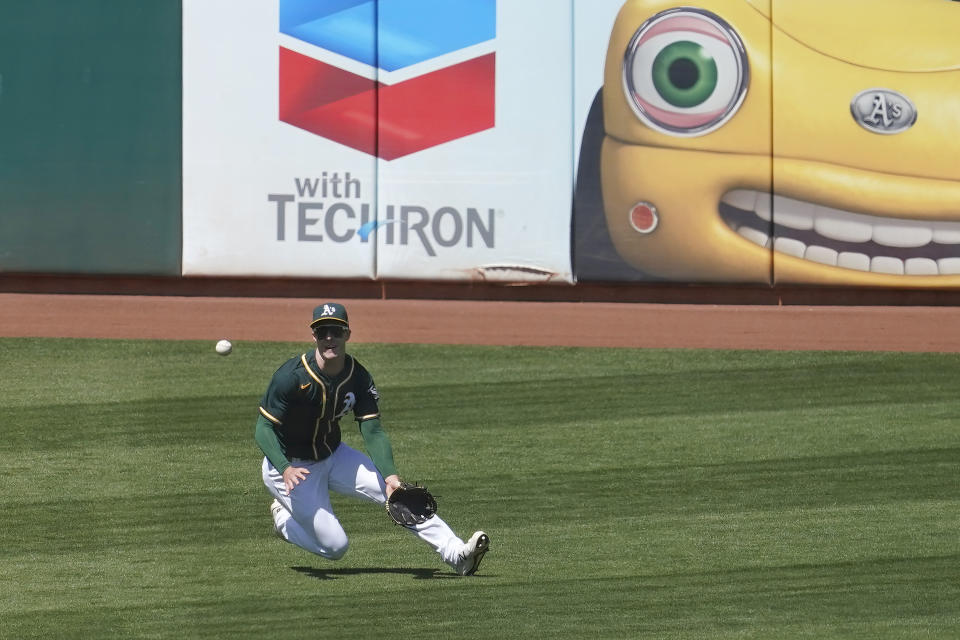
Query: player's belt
307	460
322	457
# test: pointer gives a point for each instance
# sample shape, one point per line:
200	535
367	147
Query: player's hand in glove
410	504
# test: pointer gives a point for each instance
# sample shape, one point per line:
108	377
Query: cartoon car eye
685	72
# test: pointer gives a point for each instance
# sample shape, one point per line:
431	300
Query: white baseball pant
307	519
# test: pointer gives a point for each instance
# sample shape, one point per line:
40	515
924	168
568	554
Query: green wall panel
90	136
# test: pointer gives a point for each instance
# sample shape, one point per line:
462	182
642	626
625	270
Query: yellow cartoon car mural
785	141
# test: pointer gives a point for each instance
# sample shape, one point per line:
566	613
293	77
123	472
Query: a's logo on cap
328	311
883	111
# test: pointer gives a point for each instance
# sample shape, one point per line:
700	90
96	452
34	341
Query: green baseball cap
330	313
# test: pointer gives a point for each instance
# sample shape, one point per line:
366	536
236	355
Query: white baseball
224	347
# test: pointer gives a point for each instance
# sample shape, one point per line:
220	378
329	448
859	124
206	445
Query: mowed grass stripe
629	493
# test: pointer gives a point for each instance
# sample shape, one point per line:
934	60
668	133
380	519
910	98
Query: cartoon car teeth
757	141
842	238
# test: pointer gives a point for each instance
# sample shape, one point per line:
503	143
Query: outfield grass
628	494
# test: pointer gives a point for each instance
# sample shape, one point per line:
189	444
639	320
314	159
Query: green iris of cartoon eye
684	74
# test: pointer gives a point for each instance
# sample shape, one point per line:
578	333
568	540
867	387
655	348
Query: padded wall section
90	124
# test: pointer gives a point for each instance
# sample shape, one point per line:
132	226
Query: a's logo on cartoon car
883	111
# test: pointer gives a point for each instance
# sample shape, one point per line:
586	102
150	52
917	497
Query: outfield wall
90	143
482	141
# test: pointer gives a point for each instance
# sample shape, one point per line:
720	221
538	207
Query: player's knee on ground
335	552
332	543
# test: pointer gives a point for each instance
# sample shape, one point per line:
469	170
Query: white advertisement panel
262	197
495	203
415	139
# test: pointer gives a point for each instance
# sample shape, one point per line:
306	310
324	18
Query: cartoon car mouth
844	239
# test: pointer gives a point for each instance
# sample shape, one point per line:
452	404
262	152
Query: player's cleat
473	552
275	509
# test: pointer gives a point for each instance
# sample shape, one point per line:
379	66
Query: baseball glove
411	504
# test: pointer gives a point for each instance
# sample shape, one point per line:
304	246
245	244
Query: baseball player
298	430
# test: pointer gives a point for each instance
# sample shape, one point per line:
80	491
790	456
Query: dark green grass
628	494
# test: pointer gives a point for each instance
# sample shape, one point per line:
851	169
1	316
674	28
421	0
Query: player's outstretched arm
380	451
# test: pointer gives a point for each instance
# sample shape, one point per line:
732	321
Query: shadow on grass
333	574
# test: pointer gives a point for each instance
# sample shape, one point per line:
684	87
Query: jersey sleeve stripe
266	414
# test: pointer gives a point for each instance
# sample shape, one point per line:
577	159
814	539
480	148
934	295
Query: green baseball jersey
305	406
